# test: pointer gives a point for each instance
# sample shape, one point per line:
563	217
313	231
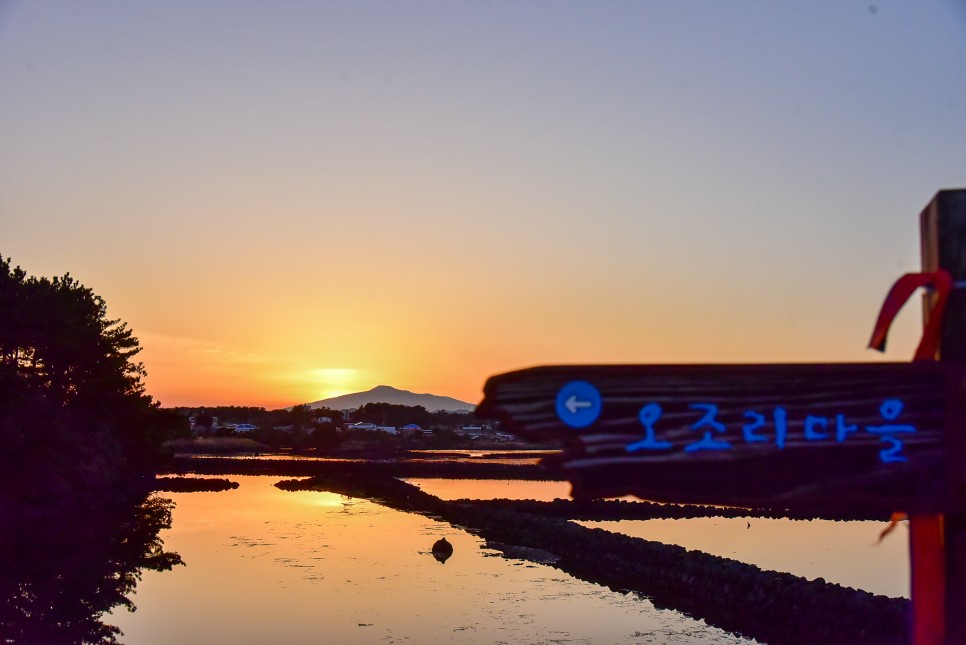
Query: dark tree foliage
236	414
59	576
324	437
74	418
335	415
204	420
450	420
300	416
393	414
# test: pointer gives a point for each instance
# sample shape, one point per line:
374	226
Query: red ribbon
904	287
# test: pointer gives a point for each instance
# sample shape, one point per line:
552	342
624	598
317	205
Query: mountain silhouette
388	394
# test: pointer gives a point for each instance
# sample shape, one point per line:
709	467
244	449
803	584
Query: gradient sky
294	200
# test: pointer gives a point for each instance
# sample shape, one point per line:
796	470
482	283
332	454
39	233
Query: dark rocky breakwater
361	470
355	468
769	606
192	484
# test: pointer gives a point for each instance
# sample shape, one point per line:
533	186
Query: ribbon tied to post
901	291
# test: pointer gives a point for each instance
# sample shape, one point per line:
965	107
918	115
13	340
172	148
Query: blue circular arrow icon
578	404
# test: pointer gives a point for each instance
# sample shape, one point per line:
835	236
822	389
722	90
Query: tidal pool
450	489
267	566
847	553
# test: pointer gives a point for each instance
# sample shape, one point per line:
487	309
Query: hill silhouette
389	394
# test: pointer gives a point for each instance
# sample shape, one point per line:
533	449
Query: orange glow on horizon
292	349
409	219
191	373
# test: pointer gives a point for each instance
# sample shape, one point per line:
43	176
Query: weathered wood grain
814	465
943	241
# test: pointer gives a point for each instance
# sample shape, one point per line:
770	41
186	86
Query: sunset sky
294	200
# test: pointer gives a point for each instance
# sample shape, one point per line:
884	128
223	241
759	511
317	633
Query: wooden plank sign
868	436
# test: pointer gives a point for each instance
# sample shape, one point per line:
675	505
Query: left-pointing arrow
578	404
573	404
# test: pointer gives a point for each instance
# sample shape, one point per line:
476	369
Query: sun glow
221	374
333	381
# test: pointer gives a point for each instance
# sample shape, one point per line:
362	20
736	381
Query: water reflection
515	457
58	579
450	489
847	553
298	567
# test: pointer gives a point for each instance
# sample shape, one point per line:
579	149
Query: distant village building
410	430
371	427
472	432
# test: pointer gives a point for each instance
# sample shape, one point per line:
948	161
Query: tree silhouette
60	576
74	418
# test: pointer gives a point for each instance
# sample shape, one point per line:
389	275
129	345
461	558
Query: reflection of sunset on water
288	202
264	565
846	553
449	489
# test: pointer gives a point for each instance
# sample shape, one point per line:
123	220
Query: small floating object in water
442	549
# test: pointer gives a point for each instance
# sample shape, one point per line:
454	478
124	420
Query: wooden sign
844	436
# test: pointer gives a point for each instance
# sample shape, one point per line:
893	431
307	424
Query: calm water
847	553
450	489
268	566
518	457
514	457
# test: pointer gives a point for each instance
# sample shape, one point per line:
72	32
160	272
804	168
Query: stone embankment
192	484
769	606
356	468
616	509
359	470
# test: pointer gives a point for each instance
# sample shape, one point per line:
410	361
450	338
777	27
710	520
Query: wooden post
939	542
927	579
693	433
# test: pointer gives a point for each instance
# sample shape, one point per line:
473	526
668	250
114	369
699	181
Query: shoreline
741	598
478	468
